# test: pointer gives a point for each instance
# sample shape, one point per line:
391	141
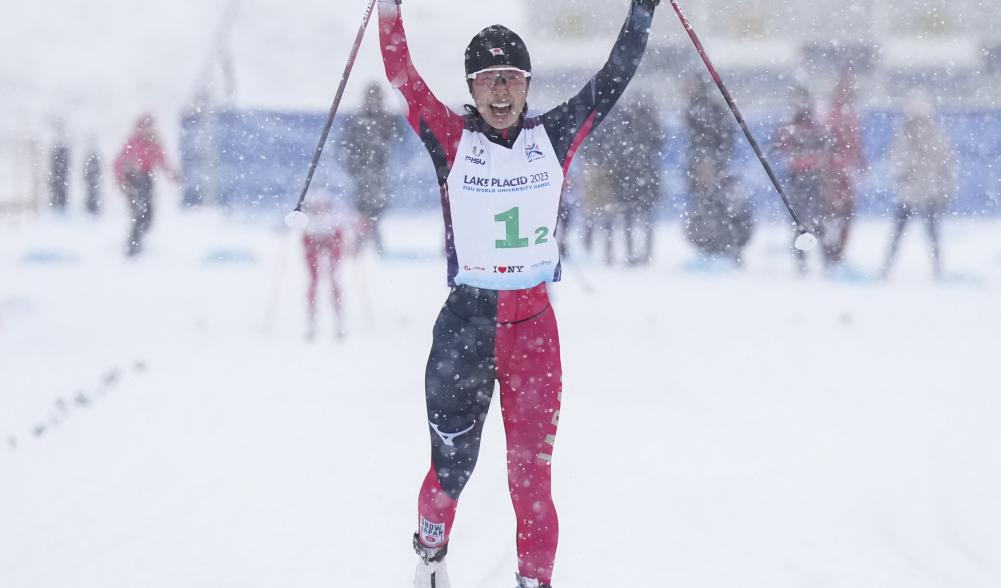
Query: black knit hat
496	45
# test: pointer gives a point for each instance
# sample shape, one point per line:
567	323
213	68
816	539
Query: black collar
504	137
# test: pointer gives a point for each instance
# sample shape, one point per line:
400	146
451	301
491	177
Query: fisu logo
477	157
534	153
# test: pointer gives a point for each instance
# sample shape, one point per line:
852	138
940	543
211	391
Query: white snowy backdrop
163	423
99	64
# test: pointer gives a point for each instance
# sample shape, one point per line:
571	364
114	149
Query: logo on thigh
449	438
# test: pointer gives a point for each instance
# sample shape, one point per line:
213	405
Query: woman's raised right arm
437	125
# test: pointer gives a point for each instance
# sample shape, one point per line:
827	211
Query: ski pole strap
427	554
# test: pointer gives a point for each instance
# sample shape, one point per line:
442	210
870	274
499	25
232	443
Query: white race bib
504	205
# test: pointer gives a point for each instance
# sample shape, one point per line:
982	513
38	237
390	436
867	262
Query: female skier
501	174
333	230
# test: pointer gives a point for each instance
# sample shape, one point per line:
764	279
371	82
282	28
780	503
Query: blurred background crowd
864	108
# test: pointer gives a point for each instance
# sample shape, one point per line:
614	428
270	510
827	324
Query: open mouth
500	109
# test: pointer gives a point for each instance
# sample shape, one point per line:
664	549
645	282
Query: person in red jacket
139	158
804	143
501	174
846	164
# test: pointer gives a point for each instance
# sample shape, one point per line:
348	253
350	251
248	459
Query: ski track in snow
737	429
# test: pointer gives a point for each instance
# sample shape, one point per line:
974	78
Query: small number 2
541	235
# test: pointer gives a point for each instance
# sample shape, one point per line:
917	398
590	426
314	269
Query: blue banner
257	160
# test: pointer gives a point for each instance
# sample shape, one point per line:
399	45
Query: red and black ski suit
509	336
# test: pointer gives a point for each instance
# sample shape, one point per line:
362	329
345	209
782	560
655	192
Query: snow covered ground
164	424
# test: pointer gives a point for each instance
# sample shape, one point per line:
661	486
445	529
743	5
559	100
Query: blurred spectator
332	231
368	138
600	204
566	214
923	163
720	220
710	129
802	140
846	164
622	178
637	175
92	178
141	155
59	169
719	217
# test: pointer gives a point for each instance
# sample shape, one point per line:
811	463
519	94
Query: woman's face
500	94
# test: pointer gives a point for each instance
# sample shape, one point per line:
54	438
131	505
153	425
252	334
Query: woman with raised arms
501	176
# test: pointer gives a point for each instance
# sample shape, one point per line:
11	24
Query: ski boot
431	571
530	583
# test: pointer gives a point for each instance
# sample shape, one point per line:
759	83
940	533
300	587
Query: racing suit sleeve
572	121
438	126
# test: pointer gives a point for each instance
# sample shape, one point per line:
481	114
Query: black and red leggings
482	336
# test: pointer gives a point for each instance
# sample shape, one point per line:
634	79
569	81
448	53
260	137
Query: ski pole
297	219
805	241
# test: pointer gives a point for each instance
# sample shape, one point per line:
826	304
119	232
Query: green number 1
512	230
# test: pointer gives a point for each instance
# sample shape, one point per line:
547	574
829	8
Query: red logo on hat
496	51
